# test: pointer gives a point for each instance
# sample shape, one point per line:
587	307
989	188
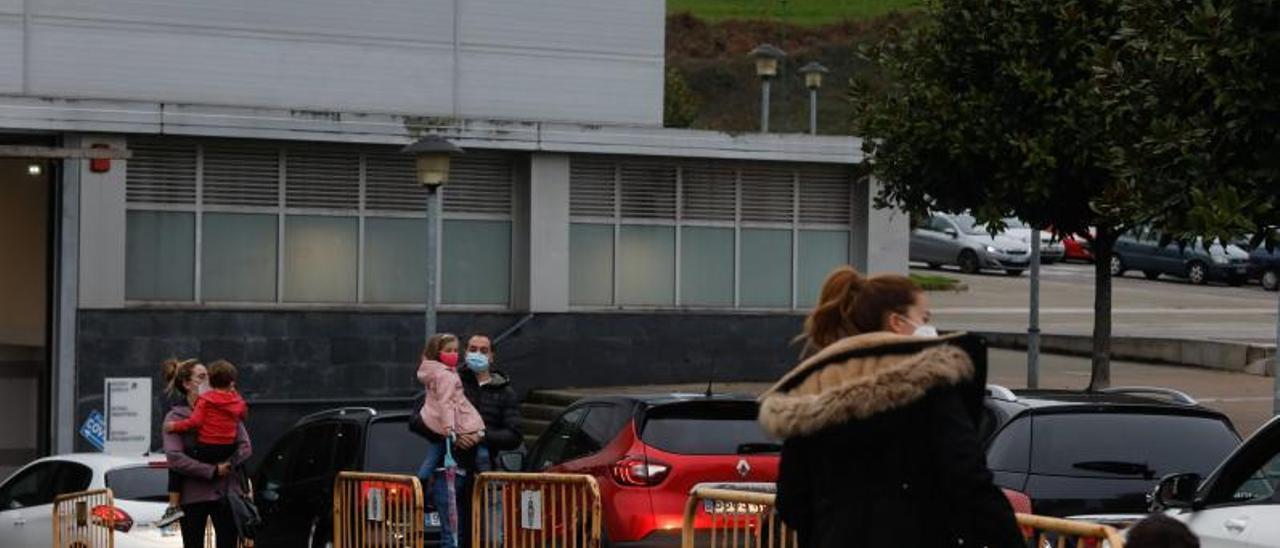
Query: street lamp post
766	57
813	73
433	154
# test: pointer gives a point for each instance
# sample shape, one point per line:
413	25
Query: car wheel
1151	274
1013	272
1271	280
319	535
968	262
1197	273
1117	266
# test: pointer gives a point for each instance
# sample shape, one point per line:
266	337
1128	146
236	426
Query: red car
647	452
1077	247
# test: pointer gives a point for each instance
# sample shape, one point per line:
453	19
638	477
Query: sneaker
171	516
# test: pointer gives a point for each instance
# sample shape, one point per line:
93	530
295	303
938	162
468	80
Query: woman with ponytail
878	447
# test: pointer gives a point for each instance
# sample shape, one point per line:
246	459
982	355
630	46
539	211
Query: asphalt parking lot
1166	307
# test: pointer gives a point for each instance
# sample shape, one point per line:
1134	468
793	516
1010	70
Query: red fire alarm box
100	165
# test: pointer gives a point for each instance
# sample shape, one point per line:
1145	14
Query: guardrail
85	519
734	518
542	510
377	510
1045	530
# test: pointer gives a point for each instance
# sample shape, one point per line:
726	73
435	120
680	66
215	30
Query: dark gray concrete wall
295	362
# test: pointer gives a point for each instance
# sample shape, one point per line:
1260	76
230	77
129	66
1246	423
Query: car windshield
139	483
707	428
968	225
1014	223
1128	444
392	449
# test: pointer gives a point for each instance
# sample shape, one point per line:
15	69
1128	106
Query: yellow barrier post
377	510
536	510
735	518
76	525
1066	529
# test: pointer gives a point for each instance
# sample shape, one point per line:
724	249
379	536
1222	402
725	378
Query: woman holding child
205	454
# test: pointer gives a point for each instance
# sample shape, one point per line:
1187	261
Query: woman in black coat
879	449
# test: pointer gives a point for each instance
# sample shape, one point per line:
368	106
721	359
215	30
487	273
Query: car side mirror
951	232
1175	491
511	462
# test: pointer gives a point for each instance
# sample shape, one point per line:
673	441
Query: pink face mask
450	359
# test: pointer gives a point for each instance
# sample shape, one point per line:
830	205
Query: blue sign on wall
94	430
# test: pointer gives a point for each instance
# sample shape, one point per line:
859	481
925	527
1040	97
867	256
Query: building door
25	222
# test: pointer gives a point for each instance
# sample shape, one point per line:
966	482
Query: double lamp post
767	57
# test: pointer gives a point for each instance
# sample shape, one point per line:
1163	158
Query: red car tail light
112	517
390	490
1021	504
633	471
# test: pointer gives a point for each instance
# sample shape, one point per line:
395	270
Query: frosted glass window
821	251
238	259
590	264
395	260
320	255
647	265
476	263
766	268
706	266
160	256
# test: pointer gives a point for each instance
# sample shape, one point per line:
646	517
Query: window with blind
649	232
227	221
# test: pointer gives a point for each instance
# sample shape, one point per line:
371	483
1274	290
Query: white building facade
264	215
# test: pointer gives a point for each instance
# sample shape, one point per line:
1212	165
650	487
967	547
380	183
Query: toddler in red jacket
216	419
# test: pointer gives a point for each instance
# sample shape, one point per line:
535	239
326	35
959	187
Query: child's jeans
431	473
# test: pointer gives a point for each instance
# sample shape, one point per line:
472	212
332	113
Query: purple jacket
199	483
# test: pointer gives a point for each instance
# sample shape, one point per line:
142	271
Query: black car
1265	266
1082	453
294	483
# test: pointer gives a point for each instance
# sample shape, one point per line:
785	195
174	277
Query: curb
1239	357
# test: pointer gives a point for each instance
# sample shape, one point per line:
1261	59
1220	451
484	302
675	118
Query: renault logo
744	469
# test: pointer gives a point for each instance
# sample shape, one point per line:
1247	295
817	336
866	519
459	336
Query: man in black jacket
490	392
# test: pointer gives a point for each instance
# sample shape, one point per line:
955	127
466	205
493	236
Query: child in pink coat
446	410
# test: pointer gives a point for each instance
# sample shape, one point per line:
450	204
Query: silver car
955	240
1051	249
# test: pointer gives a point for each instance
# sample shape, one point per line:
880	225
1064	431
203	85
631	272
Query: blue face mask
477	362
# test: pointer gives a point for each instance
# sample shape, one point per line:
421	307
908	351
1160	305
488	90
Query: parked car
1076	248
1264	265
1088	453
1051	248
138	485
955	240
1238	504
294	483
647	452
1142	251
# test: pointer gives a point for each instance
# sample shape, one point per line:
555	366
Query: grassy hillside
796	12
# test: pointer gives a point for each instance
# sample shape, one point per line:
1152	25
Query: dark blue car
1142	251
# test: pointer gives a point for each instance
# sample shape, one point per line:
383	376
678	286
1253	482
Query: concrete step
540	411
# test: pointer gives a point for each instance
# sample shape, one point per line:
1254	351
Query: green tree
992	106
680	103
1195	85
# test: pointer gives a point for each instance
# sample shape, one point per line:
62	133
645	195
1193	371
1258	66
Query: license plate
433	519
720	507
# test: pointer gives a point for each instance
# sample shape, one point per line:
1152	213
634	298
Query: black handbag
243	512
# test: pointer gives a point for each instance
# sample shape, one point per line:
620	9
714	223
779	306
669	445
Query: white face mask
922	329
202	388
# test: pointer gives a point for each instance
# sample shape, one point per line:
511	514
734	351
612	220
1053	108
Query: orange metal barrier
536	510
84	520
383	510
1060	533
734	518
746	518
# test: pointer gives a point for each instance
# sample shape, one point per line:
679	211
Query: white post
1033	327
433	199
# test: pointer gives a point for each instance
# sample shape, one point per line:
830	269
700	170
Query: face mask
450	359
202	388
922	329
477	362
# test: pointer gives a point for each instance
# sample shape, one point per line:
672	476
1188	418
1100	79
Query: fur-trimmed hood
859	377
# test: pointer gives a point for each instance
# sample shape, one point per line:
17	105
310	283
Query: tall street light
813	73
433	153
767	57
